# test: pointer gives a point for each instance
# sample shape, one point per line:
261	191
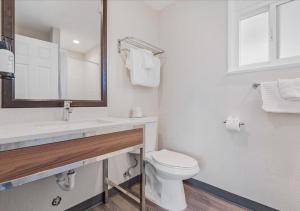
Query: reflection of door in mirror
36	68
57	52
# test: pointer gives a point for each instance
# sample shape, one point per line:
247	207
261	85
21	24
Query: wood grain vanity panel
27	161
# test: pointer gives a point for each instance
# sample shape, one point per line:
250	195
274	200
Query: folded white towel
148	59
131	56
289	89
273	102
134	63
139	75
153	74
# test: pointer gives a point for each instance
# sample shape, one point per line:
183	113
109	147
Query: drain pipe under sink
66	181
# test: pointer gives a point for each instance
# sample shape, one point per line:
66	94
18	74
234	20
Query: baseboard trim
98	199
236	199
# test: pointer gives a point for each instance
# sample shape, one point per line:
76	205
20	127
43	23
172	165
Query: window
289	29
265	36
254	39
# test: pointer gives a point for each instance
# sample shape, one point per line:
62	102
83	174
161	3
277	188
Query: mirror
58	49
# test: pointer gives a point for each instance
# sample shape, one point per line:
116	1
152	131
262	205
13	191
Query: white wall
137	20
262	162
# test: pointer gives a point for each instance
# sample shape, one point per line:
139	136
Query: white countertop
16	136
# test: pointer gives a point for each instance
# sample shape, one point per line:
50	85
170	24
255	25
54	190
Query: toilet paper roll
233	123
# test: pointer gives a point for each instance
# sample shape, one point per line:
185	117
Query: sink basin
73	124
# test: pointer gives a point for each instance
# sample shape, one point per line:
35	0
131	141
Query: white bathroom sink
61	125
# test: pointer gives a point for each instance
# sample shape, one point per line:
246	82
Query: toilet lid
174	159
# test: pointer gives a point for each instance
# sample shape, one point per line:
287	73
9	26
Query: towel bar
256	85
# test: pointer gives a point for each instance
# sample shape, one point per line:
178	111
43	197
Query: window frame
275	62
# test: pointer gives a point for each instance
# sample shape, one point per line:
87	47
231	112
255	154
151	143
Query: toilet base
168	194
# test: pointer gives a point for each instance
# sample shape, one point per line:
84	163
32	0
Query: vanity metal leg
105	180
142	182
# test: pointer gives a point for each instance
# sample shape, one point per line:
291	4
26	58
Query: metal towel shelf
138	43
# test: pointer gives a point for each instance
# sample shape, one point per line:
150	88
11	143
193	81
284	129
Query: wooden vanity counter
27	161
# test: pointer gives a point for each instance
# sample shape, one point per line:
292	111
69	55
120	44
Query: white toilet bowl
165	171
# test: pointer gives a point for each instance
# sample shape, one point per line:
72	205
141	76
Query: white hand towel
134	62
148	59
153	74
289	89
273	102
139	75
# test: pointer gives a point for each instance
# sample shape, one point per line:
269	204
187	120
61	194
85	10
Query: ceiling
158	4
76	20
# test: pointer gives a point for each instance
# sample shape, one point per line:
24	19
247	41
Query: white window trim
274	62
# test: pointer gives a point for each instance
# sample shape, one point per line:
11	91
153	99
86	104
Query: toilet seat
174	159
173	165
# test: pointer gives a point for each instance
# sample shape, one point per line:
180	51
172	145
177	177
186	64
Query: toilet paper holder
241	123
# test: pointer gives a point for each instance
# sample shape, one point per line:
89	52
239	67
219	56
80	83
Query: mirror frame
8	86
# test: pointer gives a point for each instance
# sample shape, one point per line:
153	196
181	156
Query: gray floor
197	200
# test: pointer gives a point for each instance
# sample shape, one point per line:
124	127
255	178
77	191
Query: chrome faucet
67	110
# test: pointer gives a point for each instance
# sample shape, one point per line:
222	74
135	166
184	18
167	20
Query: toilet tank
151	136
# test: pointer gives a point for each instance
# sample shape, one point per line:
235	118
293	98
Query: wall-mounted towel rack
138	43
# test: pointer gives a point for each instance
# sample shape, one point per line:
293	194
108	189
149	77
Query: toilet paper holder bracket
241	123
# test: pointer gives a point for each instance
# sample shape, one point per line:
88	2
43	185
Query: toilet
165	172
